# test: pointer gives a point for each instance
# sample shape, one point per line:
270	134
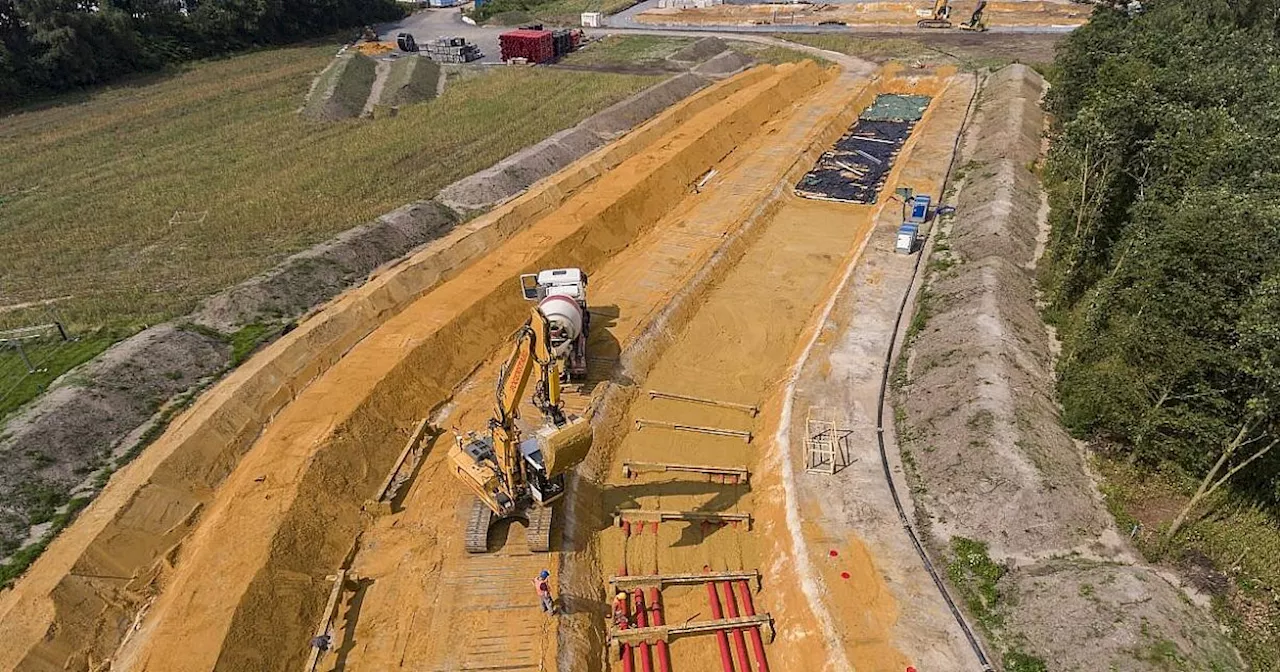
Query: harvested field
126	201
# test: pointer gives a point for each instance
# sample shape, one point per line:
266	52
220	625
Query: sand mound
315	275
998	465
342	88
409	80
724	64
622	116
700	51
518	172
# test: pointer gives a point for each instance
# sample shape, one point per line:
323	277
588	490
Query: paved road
430	23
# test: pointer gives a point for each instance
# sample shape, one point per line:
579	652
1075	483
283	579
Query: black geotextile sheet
855	168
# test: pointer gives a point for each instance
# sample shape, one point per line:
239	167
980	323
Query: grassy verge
1232	552
938	48
51	358
617	50
768	53
143	199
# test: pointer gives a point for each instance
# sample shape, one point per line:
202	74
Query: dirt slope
992	462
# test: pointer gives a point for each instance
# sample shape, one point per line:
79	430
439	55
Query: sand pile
700	51
724	64
341	89
409	79
511	176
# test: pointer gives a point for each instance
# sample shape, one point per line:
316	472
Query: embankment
80	598
979	430
250	581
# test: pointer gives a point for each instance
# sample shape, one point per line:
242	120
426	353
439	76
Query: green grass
874	49
18	562
552	12
628	50
767	53
975	575
92	185
1241	539
52	358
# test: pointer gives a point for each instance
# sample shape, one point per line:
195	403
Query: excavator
519	476
942	17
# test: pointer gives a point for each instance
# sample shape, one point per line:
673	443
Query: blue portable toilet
919	209
908	234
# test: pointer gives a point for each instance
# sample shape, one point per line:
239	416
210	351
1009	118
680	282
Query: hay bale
410	80
342	88
700	51
724	64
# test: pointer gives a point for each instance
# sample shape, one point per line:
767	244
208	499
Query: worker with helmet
543	585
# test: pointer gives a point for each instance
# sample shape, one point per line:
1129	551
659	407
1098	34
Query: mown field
134	202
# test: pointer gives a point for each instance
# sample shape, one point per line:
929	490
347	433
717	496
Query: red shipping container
535	45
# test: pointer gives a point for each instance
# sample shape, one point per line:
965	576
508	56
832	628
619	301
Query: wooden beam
630	468
664	633
410	447
641	423
745	408
330	608
650	516
662	580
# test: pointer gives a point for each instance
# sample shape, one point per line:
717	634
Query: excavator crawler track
477	540
539	532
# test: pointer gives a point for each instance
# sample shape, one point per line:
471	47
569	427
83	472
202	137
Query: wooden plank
641	423
664	633
645	515
663	580
415	440
330	608
630	467
746	408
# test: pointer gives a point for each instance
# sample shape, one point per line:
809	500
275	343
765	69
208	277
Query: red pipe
726	661
739	642
642	621
655	605
757	643
628	664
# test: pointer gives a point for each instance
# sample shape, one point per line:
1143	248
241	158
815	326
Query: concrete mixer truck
519	474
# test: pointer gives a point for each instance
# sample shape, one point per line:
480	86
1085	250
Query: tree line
1163	266
56	45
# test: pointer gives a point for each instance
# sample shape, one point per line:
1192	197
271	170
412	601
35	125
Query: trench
292	505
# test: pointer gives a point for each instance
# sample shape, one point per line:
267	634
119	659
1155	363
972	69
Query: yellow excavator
942	17
519	476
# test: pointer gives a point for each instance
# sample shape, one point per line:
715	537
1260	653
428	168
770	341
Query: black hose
884	386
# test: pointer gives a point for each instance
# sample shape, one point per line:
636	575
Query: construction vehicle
975	20
519	476
941	16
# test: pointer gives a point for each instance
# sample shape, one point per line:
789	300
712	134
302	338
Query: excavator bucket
563	448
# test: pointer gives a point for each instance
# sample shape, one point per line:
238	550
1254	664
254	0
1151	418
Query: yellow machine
515	476
975	21
941	16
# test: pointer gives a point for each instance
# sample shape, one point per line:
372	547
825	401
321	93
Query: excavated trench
212	550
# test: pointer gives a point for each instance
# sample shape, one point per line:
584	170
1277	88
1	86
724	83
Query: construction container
591	19
561	42
538	46
908	236
919	209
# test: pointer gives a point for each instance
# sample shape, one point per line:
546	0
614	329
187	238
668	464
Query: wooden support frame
664	633
749	409
641	423
664	580
630	468
391	485
650	516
